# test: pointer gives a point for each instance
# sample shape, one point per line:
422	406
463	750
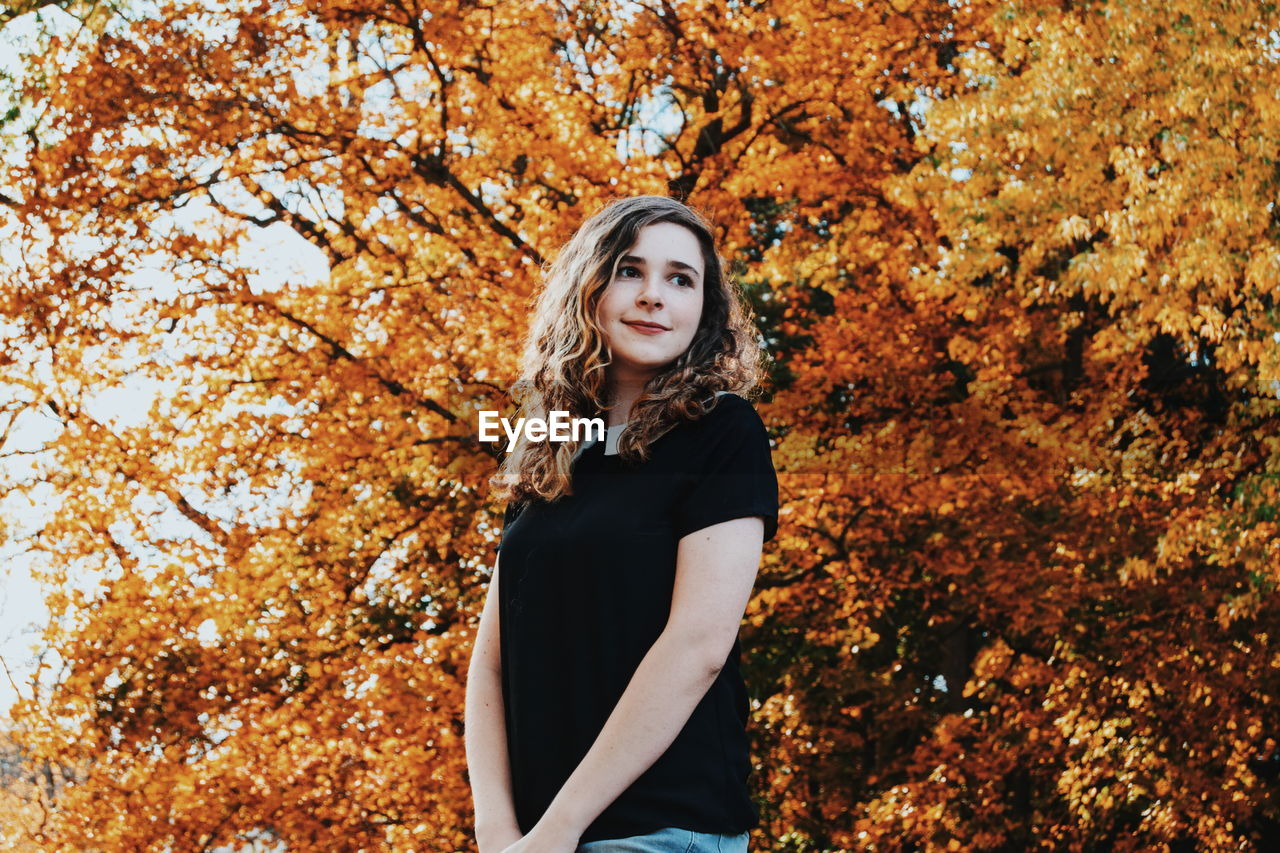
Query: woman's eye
681	279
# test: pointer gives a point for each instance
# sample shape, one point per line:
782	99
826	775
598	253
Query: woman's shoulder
731	438
727	404
727	413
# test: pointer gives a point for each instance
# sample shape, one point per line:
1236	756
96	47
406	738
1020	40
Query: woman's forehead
667	242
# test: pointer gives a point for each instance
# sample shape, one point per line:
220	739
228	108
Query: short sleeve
733	475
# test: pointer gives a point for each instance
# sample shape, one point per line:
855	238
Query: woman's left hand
546	838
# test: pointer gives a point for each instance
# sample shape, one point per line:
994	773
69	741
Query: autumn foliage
1015	264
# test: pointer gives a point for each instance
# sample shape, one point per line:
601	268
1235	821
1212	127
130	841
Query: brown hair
565	353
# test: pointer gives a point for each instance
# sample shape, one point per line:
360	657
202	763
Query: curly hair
565	353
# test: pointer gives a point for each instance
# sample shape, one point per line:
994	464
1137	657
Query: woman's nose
650	293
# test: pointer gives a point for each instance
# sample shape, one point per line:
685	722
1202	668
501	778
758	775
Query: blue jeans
670	840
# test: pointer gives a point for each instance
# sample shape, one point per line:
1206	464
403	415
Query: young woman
605	708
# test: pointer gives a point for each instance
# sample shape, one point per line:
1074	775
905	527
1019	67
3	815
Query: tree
1023	530
1108	244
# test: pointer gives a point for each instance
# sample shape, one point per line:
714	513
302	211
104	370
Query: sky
22	610
21	605
277	252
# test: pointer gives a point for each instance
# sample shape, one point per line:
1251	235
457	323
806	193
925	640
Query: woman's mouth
646	328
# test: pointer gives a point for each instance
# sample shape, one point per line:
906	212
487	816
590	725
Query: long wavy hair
565	353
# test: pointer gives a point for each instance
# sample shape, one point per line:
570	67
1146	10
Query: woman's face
650	311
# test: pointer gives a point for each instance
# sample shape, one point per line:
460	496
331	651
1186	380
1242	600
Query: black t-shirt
586	589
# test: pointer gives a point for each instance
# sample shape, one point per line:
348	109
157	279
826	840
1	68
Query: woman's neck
623	393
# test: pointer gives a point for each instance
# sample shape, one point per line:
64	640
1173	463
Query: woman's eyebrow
680	265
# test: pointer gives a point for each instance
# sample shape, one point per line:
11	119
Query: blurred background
1015	267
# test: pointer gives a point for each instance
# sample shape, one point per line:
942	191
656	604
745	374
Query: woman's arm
715	571
485	728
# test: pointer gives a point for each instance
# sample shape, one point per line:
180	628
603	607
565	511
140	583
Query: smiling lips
645	328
